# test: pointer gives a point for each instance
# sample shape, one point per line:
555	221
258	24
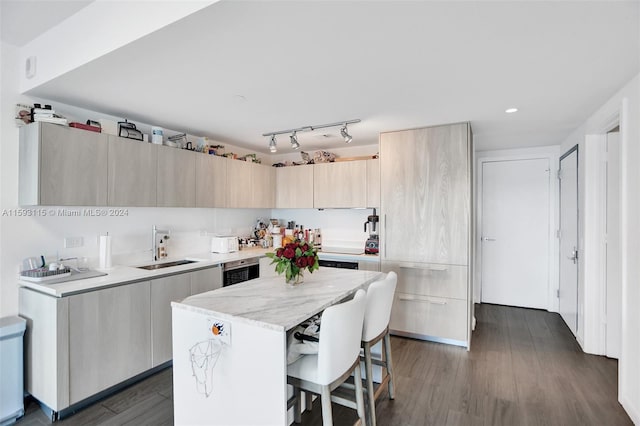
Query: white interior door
613	250
568	291
515	233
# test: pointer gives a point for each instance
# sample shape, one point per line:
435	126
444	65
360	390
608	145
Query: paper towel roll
105	251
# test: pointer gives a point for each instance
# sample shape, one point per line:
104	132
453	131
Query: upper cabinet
176	170
425	181
62	166
132	173
211	181
250	185
340	184
293	187
373	183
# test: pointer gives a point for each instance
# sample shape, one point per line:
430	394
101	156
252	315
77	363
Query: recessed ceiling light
511	110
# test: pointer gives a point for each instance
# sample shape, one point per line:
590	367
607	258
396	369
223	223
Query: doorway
613	248
515	232
568	234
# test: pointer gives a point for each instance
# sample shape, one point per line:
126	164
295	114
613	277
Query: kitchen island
230	345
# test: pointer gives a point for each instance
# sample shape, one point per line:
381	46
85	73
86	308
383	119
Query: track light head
272	144
347	137
294	141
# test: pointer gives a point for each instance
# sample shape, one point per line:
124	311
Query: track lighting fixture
347	137
294	138
294	141
272	144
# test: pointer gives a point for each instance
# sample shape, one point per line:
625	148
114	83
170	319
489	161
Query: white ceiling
238	69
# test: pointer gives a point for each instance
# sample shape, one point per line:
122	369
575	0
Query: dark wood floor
524	368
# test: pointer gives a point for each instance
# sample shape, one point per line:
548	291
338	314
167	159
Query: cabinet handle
385	236
441	268
416	299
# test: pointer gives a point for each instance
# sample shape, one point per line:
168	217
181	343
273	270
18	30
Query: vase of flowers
293	259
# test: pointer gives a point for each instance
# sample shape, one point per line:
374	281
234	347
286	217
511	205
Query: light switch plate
73	242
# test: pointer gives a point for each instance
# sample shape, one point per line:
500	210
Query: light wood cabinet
426	239
239	181
294	187
206	280
62	166
163	292
176	170
109	338
340	184
263	186
373	183
211	181
425	187
132	173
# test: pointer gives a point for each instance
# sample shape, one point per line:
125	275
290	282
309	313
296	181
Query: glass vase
296	280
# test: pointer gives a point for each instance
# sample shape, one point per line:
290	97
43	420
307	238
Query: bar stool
376	328
337	358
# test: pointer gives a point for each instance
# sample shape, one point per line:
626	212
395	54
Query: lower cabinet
79	345
163	292
431	301
368	266
109	335
266	268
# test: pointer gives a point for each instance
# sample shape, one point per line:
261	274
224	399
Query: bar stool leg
359	396
387	352
368	368
325	398
308	400
297	408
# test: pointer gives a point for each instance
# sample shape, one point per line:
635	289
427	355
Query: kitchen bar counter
230	345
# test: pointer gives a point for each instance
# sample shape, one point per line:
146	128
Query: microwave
224	244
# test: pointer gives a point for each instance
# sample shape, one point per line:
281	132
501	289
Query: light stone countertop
126	274
271	303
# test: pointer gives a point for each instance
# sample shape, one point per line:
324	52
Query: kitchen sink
166	265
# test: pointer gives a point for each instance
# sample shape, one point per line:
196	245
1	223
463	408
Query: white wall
624	105
22	237
552	154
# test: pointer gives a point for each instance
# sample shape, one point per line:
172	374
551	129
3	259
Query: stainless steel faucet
154	240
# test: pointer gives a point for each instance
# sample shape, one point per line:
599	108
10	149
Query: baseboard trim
631	410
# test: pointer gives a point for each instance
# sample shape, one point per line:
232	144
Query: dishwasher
240	270
338	264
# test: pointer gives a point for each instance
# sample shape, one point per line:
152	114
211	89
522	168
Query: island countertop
270	303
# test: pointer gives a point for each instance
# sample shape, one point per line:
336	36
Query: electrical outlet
73	242
220	330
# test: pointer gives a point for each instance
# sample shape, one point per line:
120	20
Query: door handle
574	255
487	239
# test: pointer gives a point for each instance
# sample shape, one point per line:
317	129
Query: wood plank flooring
524	368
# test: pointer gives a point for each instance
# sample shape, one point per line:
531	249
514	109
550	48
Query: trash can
11	369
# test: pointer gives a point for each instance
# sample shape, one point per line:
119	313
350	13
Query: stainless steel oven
240	270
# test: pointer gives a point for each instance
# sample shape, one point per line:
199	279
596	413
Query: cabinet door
206	280
425	195
341	184
294	187
373	183
368	266
211	181
239	184
163	292
263	188
132	173
73	167
176	177
109	334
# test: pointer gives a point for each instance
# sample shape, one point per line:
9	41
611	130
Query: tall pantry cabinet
426	232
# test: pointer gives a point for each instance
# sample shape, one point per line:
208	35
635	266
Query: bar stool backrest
340	332
378	310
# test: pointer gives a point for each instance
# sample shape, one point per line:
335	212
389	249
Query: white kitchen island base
246	384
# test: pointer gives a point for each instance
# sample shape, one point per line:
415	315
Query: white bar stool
376	328
338	357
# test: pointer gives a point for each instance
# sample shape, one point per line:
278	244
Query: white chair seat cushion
305	368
